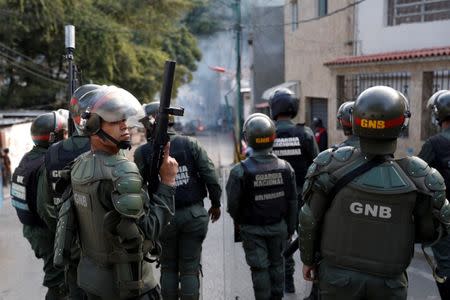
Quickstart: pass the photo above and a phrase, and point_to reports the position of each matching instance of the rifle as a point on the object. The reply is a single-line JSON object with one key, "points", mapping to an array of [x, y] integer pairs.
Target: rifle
{"points": [[160, 137], [72, 72]]}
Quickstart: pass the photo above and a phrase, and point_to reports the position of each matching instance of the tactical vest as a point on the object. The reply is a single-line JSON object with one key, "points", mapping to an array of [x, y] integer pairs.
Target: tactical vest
{"points": [[190, 188], [290, 145], [24, 189], [266, 192], [376, 235], [441, 148], [57, 158], [105, 258]]}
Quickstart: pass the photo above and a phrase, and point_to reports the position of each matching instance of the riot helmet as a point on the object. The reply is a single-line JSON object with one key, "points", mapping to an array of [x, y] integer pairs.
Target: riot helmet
{"points": [[440, 106], [379, 114], [344, 116], [317, 122], [151, 113], [110, 104], [78, 103], [283, 102], [48, 128], [259, 132]]}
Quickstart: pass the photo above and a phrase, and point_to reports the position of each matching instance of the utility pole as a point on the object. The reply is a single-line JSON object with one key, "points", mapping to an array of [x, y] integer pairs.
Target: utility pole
{"points": [[240, 105]]}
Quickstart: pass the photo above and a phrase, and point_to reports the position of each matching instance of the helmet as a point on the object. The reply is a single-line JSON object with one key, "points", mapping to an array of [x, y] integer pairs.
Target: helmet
{"points": [[430, 102], [259, 131], [317, 122], [48, 128], [110, 104], [78, 105], [344, 116], [283, 101], [379, 114], [440, 107], [151, 109]]}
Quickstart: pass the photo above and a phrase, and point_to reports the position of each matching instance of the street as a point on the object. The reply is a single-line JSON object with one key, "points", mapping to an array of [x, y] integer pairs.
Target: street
{"points": [[226, 274]]}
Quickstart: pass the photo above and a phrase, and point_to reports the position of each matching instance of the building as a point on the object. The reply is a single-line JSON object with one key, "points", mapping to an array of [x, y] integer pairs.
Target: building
{"points": [[336, 49]]}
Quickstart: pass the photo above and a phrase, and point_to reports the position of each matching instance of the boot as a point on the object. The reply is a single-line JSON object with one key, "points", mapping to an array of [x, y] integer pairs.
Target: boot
{"points": [[289, 286]]}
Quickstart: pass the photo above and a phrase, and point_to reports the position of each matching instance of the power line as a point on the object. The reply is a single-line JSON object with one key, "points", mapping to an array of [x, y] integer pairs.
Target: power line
{"points": [[27, 66], [311, 19], [34, 73]]}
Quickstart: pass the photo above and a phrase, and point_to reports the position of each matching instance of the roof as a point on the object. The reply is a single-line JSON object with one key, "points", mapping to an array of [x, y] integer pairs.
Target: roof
{"points": [[14, 121], [392, 56]]}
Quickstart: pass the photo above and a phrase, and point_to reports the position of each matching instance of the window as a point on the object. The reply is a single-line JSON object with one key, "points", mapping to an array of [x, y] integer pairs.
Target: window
{"points": [[323, 7], [294, 15], [416, 11]]}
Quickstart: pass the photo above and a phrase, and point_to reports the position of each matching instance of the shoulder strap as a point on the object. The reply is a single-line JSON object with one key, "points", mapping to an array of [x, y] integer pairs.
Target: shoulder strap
{"points": [[344, 180]]}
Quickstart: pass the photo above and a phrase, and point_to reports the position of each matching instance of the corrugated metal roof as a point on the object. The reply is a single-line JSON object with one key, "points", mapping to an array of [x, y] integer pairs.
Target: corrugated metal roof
{"points": [[391, 56]]}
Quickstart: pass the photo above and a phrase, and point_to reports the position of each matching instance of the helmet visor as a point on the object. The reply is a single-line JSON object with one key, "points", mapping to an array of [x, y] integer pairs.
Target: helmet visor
{"points": [[116, 104]]}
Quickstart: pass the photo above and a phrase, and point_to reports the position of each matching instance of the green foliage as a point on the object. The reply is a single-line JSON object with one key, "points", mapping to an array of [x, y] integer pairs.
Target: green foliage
{"points": [[203, 19], [121, 42]]}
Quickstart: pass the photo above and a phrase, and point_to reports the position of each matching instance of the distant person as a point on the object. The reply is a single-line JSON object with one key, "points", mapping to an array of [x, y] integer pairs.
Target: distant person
{"points": [[6, 168], [320, 133]]}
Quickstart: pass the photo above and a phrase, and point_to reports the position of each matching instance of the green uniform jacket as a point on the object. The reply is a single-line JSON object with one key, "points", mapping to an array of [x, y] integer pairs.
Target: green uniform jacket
{"points": [[235, 193], [203, 164]]}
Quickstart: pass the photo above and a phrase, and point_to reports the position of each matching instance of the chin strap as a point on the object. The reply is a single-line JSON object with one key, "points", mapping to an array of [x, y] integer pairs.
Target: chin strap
{"points": [[125, 145]]}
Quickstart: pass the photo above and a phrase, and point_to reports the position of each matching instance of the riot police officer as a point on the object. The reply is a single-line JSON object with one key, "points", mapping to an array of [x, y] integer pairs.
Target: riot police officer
{"points": [[344, 118], [382, 204], [262, 200], [296, 144], [46, 129], [57, 158], [118, 224], [436, 152], [182, 239]]}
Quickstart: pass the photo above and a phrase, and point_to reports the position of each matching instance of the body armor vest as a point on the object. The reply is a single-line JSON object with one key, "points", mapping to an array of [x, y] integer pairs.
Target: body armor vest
{"points": [[441, 148], [57, 158], [266, 191], [290, 145], [105, 257], [190, 188], [377, 234], [24, 189]]}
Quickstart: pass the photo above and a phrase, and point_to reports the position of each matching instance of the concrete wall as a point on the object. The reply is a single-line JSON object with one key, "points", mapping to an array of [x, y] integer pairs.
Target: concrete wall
{"points": [[268, 49], [311, 45], [374, 36]]}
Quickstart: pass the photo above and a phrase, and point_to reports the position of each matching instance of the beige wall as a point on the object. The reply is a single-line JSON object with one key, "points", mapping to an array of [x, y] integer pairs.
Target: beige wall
{"points": [[314, 43]]}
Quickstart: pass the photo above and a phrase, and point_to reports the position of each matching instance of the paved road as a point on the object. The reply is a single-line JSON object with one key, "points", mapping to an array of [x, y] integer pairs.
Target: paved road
{"points": [[226, 274]]}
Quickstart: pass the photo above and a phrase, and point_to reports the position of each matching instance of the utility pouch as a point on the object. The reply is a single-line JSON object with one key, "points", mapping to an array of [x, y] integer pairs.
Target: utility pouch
{"points": [[65, 230]]}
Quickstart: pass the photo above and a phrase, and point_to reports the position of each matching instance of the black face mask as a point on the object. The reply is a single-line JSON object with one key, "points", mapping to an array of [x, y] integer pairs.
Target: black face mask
{"points": [[125, 145]]}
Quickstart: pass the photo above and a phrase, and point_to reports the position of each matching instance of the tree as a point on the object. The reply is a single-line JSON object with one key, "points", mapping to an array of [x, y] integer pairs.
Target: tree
{"points": [[121, 42]]}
